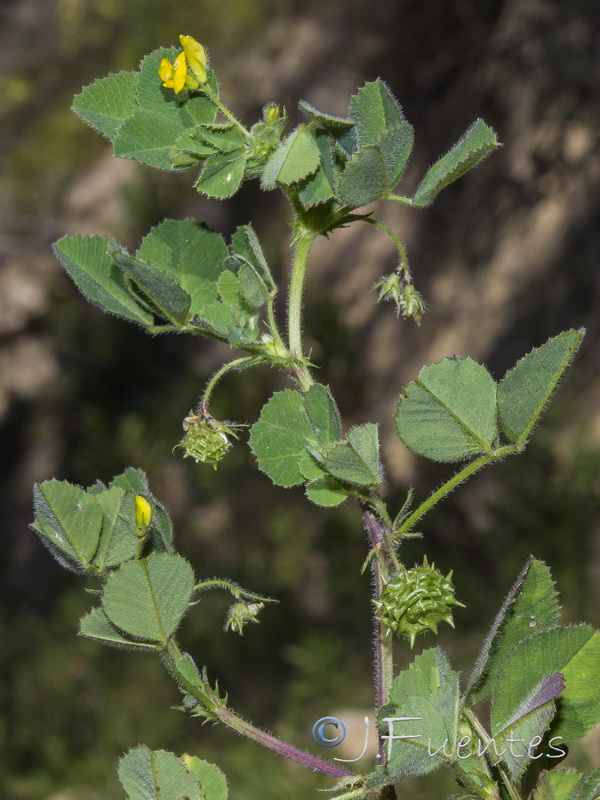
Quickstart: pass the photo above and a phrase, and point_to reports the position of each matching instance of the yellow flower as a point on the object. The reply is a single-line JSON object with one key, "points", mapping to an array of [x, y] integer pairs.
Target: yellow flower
{"points": [[143, 515], [195, 56], [188, 71]]}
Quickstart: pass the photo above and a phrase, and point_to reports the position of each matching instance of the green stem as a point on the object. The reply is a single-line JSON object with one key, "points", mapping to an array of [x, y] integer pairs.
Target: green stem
{"points": [[273, 328], [447, 487], [485, 738], [396, 239], [208, 92], [404, 200], [235, 590], [305, 243], [238, 363]]}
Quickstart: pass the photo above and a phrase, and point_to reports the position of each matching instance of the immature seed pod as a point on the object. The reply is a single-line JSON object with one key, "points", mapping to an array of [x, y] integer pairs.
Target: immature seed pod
{"points": [[206, 439], [417, 600]]}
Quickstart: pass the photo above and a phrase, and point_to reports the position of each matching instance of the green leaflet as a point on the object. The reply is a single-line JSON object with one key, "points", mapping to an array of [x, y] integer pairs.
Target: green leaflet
{"points": [[96, 275], [96, 625], [322, 414], [374, 170], [374, 109], [189, 254], [530, 608], [332, 124], [566, 784], [320, 187], [518, 738], [449, 412], [295, 158], [572, 651], [148, 598], [427, 693], [170, 300], [325, 491], [149, 138], [525, 389], [356, 460], [280, 437], [108, 102], [246, 247], [69, 522], [474, 145], [222, 175], [118, 541], [159, 775]]}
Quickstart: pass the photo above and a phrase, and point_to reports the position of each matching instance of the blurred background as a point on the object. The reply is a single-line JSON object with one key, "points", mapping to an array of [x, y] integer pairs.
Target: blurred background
{"points": [[505, 258]]}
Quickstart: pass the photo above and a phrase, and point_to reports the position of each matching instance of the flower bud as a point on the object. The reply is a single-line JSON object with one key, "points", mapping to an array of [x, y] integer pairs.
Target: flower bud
{"points": [[143, 515]]}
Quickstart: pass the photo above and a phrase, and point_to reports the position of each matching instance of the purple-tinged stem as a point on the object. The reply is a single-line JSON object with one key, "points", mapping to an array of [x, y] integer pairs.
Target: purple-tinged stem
{"points": [[382, 643], [285, 749]]}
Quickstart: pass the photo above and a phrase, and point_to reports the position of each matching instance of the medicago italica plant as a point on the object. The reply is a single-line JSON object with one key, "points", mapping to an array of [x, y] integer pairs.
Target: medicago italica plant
{"points": [[537, 675]]}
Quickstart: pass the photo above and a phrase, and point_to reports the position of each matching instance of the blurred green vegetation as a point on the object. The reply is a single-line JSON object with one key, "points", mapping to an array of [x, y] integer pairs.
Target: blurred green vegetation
{"points": [[68, 707]]}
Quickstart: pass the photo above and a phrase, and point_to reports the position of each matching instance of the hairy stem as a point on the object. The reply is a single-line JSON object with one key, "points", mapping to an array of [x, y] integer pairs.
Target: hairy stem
{"points": [[396, 239], [208, 698], [384, 657], [224, 110], [238, 363], [512, 790], [457, 479], [295, 306]]}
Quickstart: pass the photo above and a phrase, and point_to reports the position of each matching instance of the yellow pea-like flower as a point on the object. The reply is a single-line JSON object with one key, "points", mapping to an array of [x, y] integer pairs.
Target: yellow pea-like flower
{"points": [[143, 515], [188, 71]]}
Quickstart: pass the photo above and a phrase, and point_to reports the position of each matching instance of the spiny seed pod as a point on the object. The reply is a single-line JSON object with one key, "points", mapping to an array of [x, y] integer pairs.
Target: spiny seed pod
{"points": [[206, 439], [417, 600]]}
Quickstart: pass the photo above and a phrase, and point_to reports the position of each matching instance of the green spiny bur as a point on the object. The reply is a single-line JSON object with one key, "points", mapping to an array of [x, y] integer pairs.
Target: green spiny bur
{"points": [[417, 600]]}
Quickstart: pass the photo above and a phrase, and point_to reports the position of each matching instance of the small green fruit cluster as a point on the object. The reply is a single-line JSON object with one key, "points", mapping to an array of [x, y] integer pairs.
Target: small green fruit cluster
{"points": [[206, 439], [417, 600]]}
